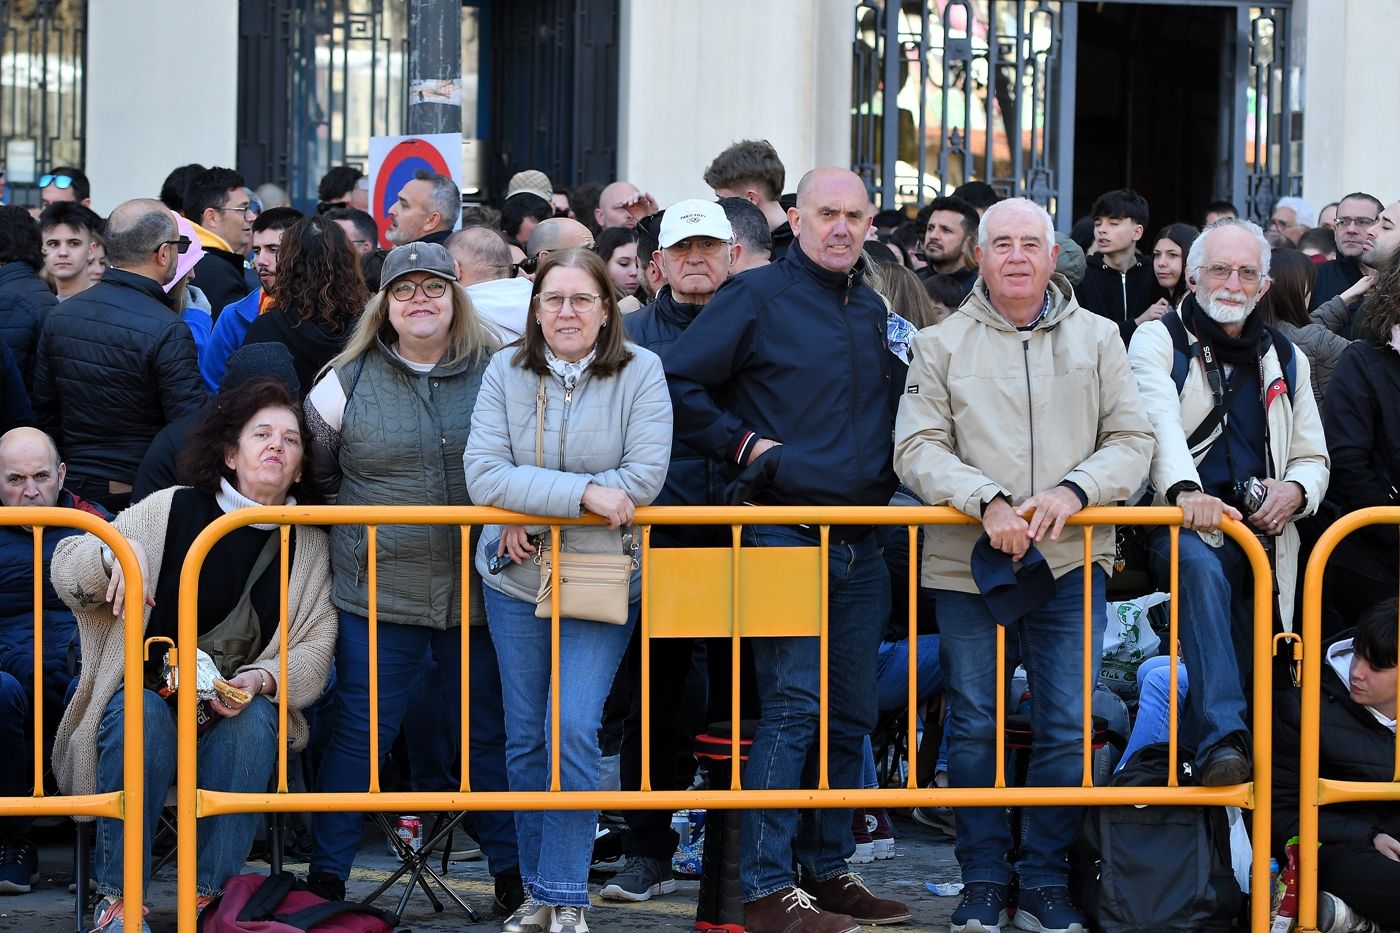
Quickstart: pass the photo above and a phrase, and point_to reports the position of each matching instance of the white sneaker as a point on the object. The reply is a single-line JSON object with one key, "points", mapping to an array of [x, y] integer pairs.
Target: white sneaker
{"points": [[569, 920], [864, 854], [1334, 915], [530, 917]]}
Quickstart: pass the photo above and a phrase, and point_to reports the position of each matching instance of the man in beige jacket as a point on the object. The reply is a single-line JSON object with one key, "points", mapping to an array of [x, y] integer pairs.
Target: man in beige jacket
{"points": [[1019, 410]]}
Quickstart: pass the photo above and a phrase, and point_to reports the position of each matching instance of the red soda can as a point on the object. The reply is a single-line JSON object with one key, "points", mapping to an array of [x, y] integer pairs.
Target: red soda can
{"points": [[410, 829]]}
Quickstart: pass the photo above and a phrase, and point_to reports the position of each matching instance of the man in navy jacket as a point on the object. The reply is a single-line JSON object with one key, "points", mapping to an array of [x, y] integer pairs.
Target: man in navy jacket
{"points": [[785, 377]]}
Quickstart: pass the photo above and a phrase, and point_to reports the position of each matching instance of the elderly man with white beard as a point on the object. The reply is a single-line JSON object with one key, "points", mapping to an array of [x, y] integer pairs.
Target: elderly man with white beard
{"points": [[1238, 434]]}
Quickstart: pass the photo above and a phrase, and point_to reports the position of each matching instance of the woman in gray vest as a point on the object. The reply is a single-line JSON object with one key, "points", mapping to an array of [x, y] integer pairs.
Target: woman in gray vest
{"points": [[389, 420], [574, 419]]}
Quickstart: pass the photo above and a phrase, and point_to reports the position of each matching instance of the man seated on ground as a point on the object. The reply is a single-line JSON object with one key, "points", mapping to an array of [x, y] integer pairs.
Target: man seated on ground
{"points": [[1359, 859], [31, 474], [1239, 435]]}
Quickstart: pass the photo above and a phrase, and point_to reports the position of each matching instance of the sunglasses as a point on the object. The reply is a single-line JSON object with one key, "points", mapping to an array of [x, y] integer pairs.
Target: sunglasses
{"points": [[182, 245], [61, 182]]}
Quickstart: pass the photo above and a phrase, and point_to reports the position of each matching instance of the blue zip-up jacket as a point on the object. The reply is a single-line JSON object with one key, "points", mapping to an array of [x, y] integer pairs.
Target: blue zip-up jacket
{"points": [[227, 336], [794, 353]]}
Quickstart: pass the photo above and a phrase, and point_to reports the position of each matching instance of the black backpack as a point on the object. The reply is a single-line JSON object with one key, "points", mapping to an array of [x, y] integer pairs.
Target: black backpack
{"points": [[1156, 869]]}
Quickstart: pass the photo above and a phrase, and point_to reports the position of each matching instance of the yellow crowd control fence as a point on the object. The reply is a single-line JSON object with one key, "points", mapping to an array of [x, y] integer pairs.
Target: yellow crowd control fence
{"points": [[733, 593], [124, 804], [1315, 791]]}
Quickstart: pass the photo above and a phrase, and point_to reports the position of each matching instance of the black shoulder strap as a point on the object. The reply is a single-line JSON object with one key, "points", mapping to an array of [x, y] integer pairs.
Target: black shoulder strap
{"points": [[1218, 412], [308, 917], [267, 898]]}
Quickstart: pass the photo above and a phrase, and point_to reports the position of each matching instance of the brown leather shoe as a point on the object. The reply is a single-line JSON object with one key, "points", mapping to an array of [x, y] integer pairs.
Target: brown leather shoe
{"points": [[793, 911], [847, 894]]}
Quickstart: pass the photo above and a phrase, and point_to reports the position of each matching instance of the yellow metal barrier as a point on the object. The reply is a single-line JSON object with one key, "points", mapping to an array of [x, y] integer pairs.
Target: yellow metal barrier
{"points": [[125, 804], [745, 592], [1314, 791]]}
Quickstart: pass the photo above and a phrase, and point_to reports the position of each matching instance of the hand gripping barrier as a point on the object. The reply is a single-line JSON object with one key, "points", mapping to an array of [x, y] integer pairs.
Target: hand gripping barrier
{"points": [[125, 804], [1314, 791], [706, 592]]}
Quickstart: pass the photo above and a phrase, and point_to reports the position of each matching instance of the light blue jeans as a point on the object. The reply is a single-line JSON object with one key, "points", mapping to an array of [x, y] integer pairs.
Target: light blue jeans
{"points": [[235, 755], [556, 846], [1153, 723]]}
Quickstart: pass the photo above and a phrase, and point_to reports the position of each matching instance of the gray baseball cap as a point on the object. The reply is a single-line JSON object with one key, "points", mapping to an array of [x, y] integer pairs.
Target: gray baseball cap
{"points": [[417, 257]]}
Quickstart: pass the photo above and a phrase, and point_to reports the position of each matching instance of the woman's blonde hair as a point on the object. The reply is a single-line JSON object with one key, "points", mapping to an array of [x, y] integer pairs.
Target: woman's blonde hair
{"points": [[467, 339]]}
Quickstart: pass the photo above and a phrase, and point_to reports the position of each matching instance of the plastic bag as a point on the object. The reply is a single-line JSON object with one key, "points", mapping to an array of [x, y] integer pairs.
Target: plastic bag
{"points": [[1128, 639]]}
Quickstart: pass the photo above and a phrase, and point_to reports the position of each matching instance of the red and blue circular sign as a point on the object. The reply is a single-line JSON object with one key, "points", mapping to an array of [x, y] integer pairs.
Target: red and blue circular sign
{"points": [[396, 171]]}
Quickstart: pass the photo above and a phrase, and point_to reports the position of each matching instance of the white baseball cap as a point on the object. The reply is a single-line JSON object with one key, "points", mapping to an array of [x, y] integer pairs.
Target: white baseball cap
{"points": [[693, 217]]}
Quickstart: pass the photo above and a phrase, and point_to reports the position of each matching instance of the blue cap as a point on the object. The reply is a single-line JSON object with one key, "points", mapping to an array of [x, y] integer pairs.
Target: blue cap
{"points": [[1012, 590]]}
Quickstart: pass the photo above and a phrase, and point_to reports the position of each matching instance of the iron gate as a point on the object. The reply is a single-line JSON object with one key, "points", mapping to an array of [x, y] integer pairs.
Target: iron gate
{"points": [[317, 79], [43, 54], [948, 91]]}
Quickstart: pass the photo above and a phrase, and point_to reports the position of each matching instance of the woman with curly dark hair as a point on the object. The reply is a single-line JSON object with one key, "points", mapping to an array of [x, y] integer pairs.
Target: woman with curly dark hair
{"points": [[320, 294], [247, 451]]}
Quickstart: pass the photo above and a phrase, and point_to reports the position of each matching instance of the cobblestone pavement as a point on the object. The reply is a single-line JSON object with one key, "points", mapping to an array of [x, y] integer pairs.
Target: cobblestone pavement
{"points": [[921, 856]]}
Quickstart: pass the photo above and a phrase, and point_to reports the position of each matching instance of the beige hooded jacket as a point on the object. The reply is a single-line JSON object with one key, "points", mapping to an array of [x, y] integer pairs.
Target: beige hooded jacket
{"points": [[989, 409]]}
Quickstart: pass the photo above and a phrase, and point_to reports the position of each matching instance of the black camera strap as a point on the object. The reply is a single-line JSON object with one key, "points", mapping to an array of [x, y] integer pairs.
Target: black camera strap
{"points": [[1222, 394]]}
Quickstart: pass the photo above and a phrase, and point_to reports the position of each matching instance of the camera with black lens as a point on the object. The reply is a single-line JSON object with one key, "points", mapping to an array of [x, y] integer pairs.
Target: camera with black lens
{"points": [[1248, 495]]}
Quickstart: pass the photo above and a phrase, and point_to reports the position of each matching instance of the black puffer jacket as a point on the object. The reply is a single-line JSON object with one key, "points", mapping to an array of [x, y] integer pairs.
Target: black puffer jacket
{"points": [[693, 478], [1361, 415], [24, 303], [1354, 747], [114, 365], [1333, 278]]}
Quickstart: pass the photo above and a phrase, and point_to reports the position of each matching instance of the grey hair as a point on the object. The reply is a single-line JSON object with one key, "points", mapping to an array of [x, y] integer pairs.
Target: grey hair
{"points": [[135, 231], [1014, 206], [445, 197], [1196, 258], [1301, 209]]}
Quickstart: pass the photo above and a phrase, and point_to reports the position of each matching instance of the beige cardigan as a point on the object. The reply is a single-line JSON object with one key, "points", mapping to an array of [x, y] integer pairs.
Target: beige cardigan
{"points": [[80, 580]]}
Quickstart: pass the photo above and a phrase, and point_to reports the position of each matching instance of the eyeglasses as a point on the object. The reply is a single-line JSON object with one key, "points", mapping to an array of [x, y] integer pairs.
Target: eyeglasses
{"points": [[528, 265], [432, 288], [60, 182], [248, 211], [709, 247], [1359, 222], [1221, 272], [581, 303], [182, 245]]}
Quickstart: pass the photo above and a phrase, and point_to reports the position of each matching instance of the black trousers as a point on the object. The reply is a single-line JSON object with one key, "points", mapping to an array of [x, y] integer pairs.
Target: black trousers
{"points": [[1360, 875]]}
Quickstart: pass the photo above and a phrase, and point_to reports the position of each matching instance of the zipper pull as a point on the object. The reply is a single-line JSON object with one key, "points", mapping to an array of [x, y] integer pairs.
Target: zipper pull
{"points": [[568, 396]]}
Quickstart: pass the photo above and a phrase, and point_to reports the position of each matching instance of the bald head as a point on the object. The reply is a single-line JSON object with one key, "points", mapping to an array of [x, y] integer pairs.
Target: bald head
{"points": [[557, 233], [137, 237], [30, 472], [481, 254], [831, 217], [613, 203]]}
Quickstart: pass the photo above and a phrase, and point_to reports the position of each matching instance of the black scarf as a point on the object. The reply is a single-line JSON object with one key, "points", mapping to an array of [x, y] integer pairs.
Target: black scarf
{"points": [[1242, 350]]}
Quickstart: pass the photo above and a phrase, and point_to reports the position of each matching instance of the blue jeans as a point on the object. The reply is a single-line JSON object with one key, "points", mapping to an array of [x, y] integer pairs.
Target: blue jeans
{"points": [[16, 696], [235, 755], [784, 751], [14, 750], [1051, 640], [556, 846], [403, 652], [1153, 723], [1207, 578], [892, 685]]}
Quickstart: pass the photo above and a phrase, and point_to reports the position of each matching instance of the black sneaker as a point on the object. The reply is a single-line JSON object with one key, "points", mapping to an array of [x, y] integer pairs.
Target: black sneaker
{"points": [[19, 865], [640, 879], [510, 892], [327, 885], [1048, 910], [982, 908]]}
